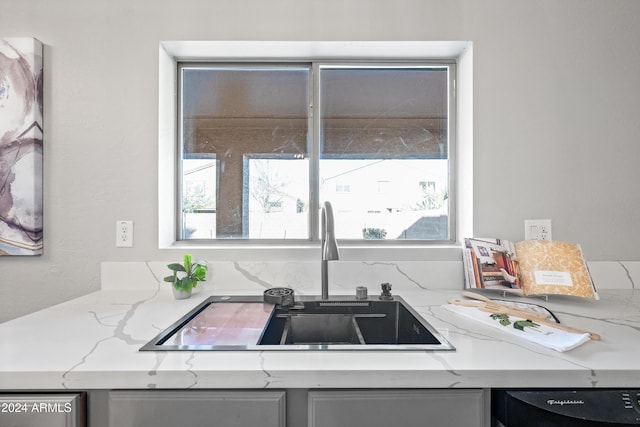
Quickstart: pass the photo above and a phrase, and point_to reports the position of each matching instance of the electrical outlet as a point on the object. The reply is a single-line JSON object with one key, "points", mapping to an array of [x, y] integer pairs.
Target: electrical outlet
{"points": [[537, 229], [124, 234]]}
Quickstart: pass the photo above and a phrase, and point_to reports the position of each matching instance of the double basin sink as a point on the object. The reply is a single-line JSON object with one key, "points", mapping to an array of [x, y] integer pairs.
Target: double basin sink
{"points": [[310, 323]]}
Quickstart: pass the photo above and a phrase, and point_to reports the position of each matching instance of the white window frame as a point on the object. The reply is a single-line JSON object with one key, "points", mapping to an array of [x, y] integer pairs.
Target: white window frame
{"points": [[171, 52]]}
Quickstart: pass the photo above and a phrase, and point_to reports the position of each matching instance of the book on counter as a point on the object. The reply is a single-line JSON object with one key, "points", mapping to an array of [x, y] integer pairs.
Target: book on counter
{"points": [[530, 267]]}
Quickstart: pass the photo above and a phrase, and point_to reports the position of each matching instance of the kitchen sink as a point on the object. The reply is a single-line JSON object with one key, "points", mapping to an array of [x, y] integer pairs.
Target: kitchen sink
{"points": [[309, 323]]}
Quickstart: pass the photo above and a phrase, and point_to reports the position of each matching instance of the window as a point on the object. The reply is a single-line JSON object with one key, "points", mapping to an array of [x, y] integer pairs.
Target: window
{"points": [[263, 144]]}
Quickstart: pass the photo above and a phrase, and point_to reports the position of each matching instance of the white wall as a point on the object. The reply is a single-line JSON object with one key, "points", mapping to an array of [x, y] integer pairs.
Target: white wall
{"points": [[556, 95]]}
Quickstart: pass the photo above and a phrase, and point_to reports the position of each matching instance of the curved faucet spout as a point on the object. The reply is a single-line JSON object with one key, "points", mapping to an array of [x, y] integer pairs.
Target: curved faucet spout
{"points": [[329, 246]]}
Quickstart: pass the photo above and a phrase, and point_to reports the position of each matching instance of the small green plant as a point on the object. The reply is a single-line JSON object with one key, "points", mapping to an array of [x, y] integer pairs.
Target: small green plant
{"points": [[193, 273]]}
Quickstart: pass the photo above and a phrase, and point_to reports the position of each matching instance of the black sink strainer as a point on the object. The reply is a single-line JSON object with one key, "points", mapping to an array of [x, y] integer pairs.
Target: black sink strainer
{"points": [[281, 296]]}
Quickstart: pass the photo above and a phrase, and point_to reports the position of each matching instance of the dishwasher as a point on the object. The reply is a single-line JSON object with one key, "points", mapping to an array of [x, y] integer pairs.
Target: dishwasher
{"points": [[565, 407]]}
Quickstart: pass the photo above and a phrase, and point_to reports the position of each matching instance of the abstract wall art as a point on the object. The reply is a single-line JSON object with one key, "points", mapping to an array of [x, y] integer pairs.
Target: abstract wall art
{"points": [[21, 146]]}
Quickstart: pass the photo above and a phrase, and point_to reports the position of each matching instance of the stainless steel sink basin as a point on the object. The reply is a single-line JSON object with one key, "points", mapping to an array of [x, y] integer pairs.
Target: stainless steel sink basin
{"points": [[317, 328], [342, 323]]}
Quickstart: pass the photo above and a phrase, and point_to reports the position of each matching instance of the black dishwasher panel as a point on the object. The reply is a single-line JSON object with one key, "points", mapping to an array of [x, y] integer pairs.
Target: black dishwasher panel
{"points": [[565, 407]]}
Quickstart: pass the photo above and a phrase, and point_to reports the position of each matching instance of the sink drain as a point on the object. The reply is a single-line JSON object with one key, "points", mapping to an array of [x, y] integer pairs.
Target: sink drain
{"points": [[281, 296]]}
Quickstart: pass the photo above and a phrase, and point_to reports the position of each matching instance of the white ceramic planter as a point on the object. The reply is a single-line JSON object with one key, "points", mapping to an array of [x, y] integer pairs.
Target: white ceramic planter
{"points": [[180, 294]]}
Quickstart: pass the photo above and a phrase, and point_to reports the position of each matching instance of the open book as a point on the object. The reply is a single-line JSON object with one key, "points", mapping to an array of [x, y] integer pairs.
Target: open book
{"points": [[531, 267]]}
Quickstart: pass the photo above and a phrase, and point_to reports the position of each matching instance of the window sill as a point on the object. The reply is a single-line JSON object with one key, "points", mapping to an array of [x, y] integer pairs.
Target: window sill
{"points": [[311, 252]]}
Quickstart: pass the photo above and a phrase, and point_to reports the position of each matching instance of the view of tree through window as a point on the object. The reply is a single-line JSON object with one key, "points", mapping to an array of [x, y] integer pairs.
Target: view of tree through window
{"points": [[253, 153]]}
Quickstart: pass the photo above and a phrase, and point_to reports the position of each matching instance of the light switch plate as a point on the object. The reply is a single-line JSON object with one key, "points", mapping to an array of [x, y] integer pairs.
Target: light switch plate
{"points": [[537, 229]]}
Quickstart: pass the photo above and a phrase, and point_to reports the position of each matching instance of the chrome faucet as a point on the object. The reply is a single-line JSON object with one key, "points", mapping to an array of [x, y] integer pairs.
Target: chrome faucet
{"points": [[329, 246]]}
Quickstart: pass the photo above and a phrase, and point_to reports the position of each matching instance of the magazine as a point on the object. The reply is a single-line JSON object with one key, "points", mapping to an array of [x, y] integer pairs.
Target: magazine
{"points": [[530, 267]]}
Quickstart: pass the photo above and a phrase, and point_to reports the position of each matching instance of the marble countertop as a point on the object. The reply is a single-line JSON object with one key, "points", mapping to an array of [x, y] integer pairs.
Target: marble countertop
{"points": [[93, 342]]}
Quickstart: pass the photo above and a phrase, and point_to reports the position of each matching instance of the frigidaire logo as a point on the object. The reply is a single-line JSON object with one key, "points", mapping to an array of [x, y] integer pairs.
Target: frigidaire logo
{"points": [[564, 402]]}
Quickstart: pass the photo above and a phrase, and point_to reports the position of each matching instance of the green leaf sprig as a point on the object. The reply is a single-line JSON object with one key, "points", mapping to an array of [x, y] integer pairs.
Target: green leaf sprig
{"points": [[502, 318], [518, 324]]}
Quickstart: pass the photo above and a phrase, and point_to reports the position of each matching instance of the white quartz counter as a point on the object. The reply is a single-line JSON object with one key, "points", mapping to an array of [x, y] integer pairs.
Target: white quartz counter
{"points": [[92, 342]]}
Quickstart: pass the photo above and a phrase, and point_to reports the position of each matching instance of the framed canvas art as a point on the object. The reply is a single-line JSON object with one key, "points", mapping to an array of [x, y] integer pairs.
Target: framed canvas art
{"points": [[20, 146]]}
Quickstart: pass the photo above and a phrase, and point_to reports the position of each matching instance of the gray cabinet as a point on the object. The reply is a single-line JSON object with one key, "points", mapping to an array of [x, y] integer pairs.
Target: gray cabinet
{"points": [[406, 408], [43, 410], [187, 408]]}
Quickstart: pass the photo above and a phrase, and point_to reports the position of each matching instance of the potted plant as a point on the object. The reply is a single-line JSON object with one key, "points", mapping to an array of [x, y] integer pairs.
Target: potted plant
{"points": [[186, 276]]}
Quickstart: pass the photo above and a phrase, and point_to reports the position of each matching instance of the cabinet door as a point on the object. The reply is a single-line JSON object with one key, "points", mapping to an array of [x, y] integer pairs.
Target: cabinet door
{"points": [[406, 408], [43, 410], [159, 408]]}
